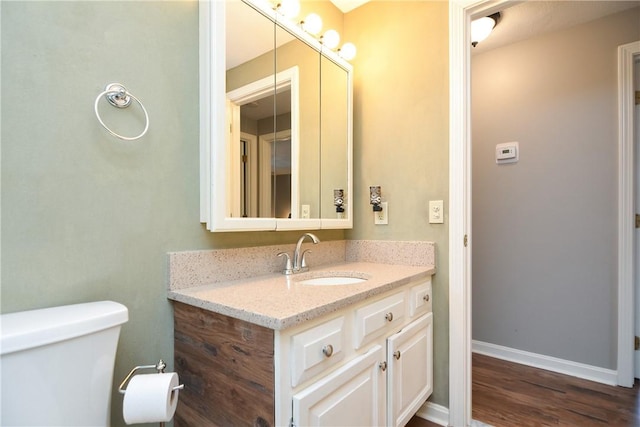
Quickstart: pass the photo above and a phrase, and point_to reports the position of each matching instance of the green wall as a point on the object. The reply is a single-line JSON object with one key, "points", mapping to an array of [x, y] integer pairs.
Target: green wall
{"points": [[88, 217], [401, 136]]}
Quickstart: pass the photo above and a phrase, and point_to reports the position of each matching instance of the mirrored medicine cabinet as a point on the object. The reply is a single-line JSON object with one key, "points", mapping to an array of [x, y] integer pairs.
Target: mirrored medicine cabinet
{"points": [[275, 123]]}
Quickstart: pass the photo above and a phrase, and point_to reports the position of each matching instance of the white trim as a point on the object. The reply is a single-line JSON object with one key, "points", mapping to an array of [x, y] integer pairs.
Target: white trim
{"points": [[554, 364], [460, 14], [207, 25], [435, 413], [626, 209], [439, 414], [233, 159], [251, 185], [459, 265]]}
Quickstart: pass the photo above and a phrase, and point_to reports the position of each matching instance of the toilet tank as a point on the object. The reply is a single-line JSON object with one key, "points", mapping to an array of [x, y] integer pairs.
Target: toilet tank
{"points": [[56, 364]]}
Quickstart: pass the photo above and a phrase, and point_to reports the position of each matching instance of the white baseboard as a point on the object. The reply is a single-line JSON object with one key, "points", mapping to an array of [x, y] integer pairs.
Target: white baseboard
{"points": [[440, 415], [580, 370], [435, 413]]}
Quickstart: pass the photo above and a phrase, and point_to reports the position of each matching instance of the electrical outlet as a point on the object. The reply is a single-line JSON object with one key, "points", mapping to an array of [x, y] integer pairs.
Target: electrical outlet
{"points": [[305, 212], [436, 212], [382, 217]]}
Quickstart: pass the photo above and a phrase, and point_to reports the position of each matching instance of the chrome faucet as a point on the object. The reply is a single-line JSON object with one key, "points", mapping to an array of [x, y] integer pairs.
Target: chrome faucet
{"points": [[299, 262]]}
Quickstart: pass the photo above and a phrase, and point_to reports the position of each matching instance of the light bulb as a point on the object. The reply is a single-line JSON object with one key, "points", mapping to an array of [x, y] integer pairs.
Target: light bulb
{"points": [[331, 39], [312, 24], [481, 28], [289, 8], [347, 51]]}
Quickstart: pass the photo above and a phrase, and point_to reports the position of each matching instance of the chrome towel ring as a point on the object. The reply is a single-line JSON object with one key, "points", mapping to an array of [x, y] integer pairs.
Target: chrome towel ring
{"points": [[119, 97]]}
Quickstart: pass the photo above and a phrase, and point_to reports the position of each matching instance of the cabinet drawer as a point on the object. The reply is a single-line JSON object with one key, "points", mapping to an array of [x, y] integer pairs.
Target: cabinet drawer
{"points": [[374, 319], [421, 297], [315, 349]]}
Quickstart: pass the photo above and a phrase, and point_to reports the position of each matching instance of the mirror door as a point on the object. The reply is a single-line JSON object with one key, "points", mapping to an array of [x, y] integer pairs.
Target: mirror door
{"points": [[251, 115], [264, 162], [305, 120]]}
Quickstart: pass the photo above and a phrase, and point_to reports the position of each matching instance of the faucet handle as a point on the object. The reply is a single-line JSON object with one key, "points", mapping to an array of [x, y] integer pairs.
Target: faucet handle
{"points": [[303, 262], [288, 269]]}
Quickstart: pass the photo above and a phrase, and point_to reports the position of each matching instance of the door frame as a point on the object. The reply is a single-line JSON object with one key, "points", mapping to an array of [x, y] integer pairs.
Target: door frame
{"points": [[626, 213], [461, 12]]}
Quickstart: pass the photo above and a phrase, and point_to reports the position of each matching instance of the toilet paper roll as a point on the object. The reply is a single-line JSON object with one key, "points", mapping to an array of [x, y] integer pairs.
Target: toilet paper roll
{"points": [[150, 398]]}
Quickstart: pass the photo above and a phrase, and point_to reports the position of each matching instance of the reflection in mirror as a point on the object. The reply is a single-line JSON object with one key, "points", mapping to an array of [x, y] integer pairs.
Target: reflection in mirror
{"points": [[334, 148], [276, 184], [292, 52], [263, 159], [261, 150], [263, 181], [262, 139], [250, 106]]}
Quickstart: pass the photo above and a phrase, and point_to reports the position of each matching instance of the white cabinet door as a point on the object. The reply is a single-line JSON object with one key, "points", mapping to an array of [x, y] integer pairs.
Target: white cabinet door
{"points": [[353, 395], [410, 373]]}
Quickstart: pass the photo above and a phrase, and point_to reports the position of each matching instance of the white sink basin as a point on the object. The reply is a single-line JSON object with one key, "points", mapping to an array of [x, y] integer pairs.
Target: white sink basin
{"points": [[332, 281]]}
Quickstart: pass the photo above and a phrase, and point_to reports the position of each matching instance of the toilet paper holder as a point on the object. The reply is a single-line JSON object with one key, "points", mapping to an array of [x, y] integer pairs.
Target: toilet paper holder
{"points": [[160, 367]]}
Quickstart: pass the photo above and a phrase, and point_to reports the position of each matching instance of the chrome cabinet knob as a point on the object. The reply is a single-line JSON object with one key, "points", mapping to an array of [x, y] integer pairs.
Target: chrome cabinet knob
{"points": [[383, 366], [426, 298], [389, 316], [327, 350], [397, 354]]}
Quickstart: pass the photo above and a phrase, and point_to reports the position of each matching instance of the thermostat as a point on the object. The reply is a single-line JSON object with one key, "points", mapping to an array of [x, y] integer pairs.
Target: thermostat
{"points": [[507, 152]]}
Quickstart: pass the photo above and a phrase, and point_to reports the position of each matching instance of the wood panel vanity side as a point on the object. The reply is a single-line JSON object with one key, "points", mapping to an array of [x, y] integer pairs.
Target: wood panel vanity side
{"points": [[227, 368]]}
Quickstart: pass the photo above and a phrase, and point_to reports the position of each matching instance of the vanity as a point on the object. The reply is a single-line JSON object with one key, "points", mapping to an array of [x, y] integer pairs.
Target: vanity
{"points": [[347, 343], [273, 351]]}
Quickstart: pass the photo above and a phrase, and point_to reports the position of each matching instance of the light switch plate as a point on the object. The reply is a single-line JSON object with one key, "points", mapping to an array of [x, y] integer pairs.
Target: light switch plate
{"points": [[436, 212], [305, 212]]}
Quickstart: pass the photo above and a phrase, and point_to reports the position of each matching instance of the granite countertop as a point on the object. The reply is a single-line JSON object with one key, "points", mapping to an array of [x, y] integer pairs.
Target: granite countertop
{"points": [[279, 302]]}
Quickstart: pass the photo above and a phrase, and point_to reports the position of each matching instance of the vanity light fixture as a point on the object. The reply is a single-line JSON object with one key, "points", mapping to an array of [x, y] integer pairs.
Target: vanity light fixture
{"points": [[312, 24], [481, 28], [330, 39], [288, 8], [347, 51], [375, 197]]}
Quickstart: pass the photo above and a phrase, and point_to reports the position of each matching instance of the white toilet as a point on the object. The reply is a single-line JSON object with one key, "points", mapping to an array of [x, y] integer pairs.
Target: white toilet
{"points": [[56, 364]]}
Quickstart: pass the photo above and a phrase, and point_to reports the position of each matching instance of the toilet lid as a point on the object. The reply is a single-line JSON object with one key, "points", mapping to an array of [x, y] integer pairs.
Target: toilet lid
{"points": [[34, 328]]}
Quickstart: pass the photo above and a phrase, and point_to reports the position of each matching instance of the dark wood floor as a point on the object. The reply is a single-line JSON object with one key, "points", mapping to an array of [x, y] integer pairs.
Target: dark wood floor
{"points": [[509, 394], [419, 422]]}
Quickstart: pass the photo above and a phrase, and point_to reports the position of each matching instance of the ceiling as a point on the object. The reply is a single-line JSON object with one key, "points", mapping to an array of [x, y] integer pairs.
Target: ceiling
{"points": [[348, 5], [526, 19], [533, 18]]}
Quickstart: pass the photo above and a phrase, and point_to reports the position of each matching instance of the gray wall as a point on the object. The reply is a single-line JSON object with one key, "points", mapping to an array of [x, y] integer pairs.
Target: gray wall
{"points": [[545, 229], [86, 216]]}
